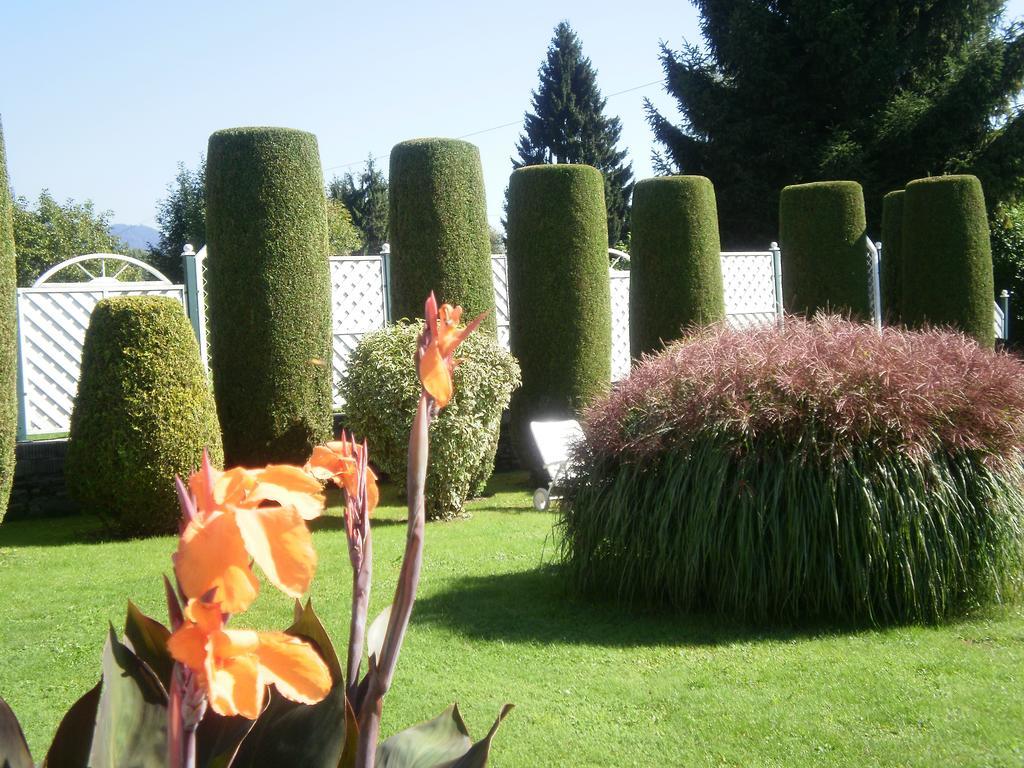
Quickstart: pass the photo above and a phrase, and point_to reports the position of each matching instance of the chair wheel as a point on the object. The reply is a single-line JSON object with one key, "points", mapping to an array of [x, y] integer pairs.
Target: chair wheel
{"points": [[541, 499]]}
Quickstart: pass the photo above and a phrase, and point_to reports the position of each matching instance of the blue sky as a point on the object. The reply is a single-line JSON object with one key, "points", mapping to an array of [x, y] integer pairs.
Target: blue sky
{"points": [[101, 100]]}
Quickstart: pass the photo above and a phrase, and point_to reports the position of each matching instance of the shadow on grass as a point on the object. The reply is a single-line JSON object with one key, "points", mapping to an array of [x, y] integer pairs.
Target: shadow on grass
{"points": [[57, 532], [536, 606]]}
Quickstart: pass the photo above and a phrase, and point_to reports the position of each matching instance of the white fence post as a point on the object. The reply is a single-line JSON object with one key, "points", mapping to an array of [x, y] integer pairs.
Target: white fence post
{"points": [[195, 296], [874, 293], [777, 272]]}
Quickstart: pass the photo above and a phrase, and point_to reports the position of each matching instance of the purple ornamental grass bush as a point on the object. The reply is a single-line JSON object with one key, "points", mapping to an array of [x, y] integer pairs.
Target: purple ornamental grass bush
{"points": [[823, 470]]}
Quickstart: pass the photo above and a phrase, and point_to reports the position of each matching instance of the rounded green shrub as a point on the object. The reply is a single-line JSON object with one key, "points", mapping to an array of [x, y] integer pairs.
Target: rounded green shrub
{"points": [[381, 390], [675, 276], [786, 475], [559, 295], [947, 256], [440, 240], [144, 413], [891, 277], [8, 337], [269, 294], [822, 234]]}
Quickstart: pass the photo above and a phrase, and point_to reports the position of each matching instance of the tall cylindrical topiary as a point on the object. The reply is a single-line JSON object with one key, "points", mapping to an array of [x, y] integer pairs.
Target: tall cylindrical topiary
{"points": [[947, 257], [675, 277], [559, 295], [269, 290], [8, 336], [892, 256], [440, 240], [822, 233], [143, 413]]}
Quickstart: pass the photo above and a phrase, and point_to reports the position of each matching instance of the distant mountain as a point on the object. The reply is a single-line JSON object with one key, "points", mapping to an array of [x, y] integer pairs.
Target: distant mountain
{"points": [[136, 235]]}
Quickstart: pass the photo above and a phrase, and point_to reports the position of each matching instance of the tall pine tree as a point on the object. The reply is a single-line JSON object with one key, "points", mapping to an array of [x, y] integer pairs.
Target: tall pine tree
{"points": [[878, 92], [568, 125], [366, 197]]}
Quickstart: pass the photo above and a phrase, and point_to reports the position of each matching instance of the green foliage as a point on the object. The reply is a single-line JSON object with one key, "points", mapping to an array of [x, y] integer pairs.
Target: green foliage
{"points": [[1006, 229], [440, 240], [675, 266], [568, 125], [822, 234], [891, 277], [786, 475], [8, 336], [366, 197], [180, 218], [877, 92], [381, 389], [947, 256], [559, 296], [343, 238], [143, 414], [268, 285], [51, 233]]}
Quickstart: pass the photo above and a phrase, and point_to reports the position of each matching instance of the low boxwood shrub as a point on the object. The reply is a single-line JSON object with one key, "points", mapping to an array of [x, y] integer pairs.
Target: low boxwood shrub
{"points": [[891, 277], [8, 337], [947, 256], [381, 389], [440, 240], [269, 291], [144, 412], [559, 295], [675, 263], [822, 233], [822, 470]]}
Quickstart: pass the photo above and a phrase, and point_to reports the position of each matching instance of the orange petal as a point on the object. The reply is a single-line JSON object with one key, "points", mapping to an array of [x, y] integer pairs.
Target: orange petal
{"points": [[188, 645], [294, 667], [435, 376], [290, 487], [280, 543], [235, 687], [211, 555]]}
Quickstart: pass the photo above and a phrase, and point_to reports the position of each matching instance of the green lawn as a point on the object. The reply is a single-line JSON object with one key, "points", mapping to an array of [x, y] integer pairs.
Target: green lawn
{"points": [[593, 685]]}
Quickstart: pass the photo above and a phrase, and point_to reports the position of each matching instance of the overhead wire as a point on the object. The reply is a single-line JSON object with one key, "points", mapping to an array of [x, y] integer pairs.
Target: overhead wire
{"points": [[493, 128]]}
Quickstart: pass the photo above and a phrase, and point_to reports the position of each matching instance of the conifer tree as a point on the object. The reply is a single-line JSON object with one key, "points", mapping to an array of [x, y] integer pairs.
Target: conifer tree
{"points": [[366, 197], [880, 93], [568, 125]]}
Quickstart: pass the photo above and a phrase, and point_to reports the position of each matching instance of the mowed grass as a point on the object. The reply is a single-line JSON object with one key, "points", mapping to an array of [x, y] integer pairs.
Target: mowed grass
{"points": [[593, 685]]}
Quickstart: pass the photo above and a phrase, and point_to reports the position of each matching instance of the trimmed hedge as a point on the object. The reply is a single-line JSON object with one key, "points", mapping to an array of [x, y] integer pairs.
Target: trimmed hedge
{"points": [[785, 475], [891, 277], [440, 240], [947, 256], [269, 290], [822, 233], [144, 413], [381, 390], [675, 274], [8, 337], [559, 295]]}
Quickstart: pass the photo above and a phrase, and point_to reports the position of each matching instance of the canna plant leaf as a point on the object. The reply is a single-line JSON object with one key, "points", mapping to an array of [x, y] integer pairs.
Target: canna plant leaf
{"points": [[348, 754], [377, 633], [13, 747], [219, 738], [443, 742], [131, 719], [148, 639], [71, 743]]}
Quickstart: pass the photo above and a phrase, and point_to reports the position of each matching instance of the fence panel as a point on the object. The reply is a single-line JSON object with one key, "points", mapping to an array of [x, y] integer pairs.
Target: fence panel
{"points": [[52, 320]]}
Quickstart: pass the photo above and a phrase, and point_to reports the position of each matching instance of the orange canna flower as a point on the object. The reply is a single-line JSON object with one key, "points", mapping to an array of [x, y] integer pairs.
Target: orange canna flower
{"points": [[236, 665], [442, 336], [338, 461], [245, 515]]}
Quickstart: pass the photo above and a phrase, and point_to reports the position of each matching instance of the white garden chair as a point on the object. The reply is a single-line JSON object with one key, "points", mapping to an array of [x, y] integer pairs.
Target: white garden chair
{"points": [[554, 441]]}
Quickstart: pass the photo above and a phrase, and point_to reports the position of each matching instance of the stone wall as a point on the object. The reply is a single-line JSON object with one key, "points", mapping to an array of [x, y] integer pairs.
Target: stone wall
{"points": [[39, 489]]}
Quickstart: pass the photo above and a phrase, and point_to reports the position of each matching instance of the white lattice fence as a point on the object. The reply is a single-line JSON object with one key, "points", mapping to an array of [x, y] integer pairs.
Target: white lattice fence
{"points": [[619, 281], [52, 320], [749, 283], [358, 306], [499, 274]]}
